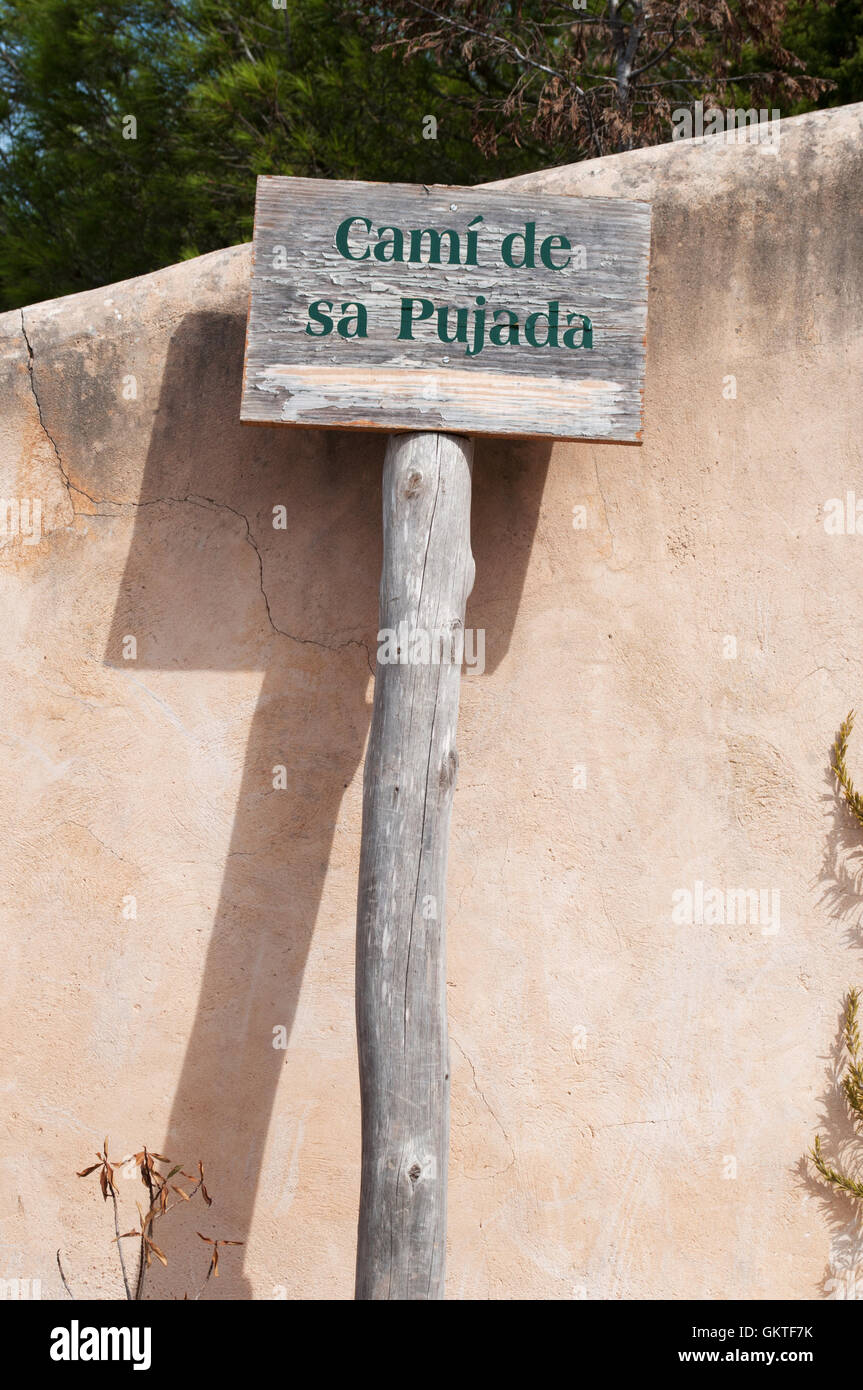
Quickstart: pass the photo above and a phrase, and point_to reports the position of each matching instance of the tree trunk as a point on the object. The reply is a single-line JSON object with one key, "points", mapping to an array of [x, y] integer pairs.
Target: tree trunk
{"points": [[408, 787]]}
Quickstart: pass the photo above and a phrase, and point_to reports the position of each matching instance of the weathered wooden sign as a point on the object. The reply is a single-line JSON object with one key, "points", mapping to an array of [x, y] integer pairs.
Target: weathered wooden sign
{"points": [[442, 312], [407, 307]]}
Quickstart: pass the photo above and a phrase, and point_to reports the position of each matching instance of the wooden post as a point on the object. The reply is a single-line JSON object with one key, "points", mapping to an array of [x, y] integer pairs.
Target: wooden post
{"points": [[408, 786], [464, 311]]}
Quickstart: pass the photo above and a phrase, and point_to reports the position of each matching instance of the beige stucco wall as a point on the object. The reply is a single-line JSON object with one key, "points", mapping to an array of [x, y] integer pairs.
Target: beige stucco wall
{"points": [[608, 1063]]}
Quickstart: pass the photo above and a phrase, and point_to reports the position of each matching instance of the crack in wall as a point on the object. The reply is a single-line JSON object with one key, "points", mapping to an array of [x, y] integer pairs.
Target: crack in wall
{"points": [[93, 835], [192, 500], [498, 1171], [31, 362], [605, 508]]}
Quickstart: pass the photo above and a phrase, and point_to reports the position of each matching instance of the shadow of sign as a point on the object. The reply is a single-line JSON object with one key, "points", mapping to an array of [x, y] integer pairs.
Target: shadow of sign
{"points": [[308, 623]]}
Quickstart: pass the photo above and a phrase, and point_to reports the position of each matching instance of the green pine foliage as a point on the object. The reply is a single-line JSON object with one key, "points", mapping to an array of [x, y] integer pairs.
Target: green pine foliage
{"points": [[828, 36], [302, 92], [223, 90], [220, 92], [79, 204]]}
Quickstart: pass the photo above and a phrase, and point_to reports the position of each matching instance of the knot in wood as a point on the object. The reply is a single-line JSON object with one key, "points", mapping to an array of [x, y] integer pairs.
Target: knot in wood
{"points": [[415, 1172], [413, 483], [449, 769]]}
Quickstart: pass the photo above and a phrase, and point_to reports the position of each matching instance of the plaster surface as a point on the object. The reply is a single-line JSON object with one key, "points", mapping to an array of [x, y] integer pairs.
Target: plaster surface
{"points": [[632, 1094]]}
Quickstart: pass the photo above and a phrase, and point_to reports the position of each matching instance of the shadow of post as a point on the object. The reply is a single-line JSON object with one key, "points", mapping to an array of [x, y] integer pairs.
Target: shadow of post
{"points": [[311, 630]]}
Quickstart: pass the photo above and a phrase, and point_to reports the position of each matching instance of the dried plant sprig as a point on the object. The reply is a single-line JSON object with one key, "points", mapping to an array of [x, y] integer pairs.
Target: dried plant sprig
{"points": [[106, 1182], [106, 1172], [852, 1086], [853, 799], [852, 1081], [63, 1276], [204, 1193], [852, 1029], [149, 1246], [158, 1186], [833, 1175], [214, 1258]]}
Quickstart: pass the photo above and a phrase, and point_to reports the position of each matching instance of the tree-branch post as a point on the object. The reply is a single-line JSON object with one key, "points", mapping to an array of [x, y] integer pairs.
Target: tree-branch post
{"points": [[410, 775]]}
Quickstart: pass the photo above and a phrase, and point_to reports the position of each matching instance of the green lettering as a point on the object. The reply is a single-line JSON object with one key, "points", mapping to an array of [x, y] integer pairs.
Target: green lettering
{"points": [[397, 244], [510, 328], [585, 330], [470, 254], [551, 318], [342, 238], [547, 247], [407, 315], [507, 250], [359, 318], [460, 335], [317, 316], [435, 239]]}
